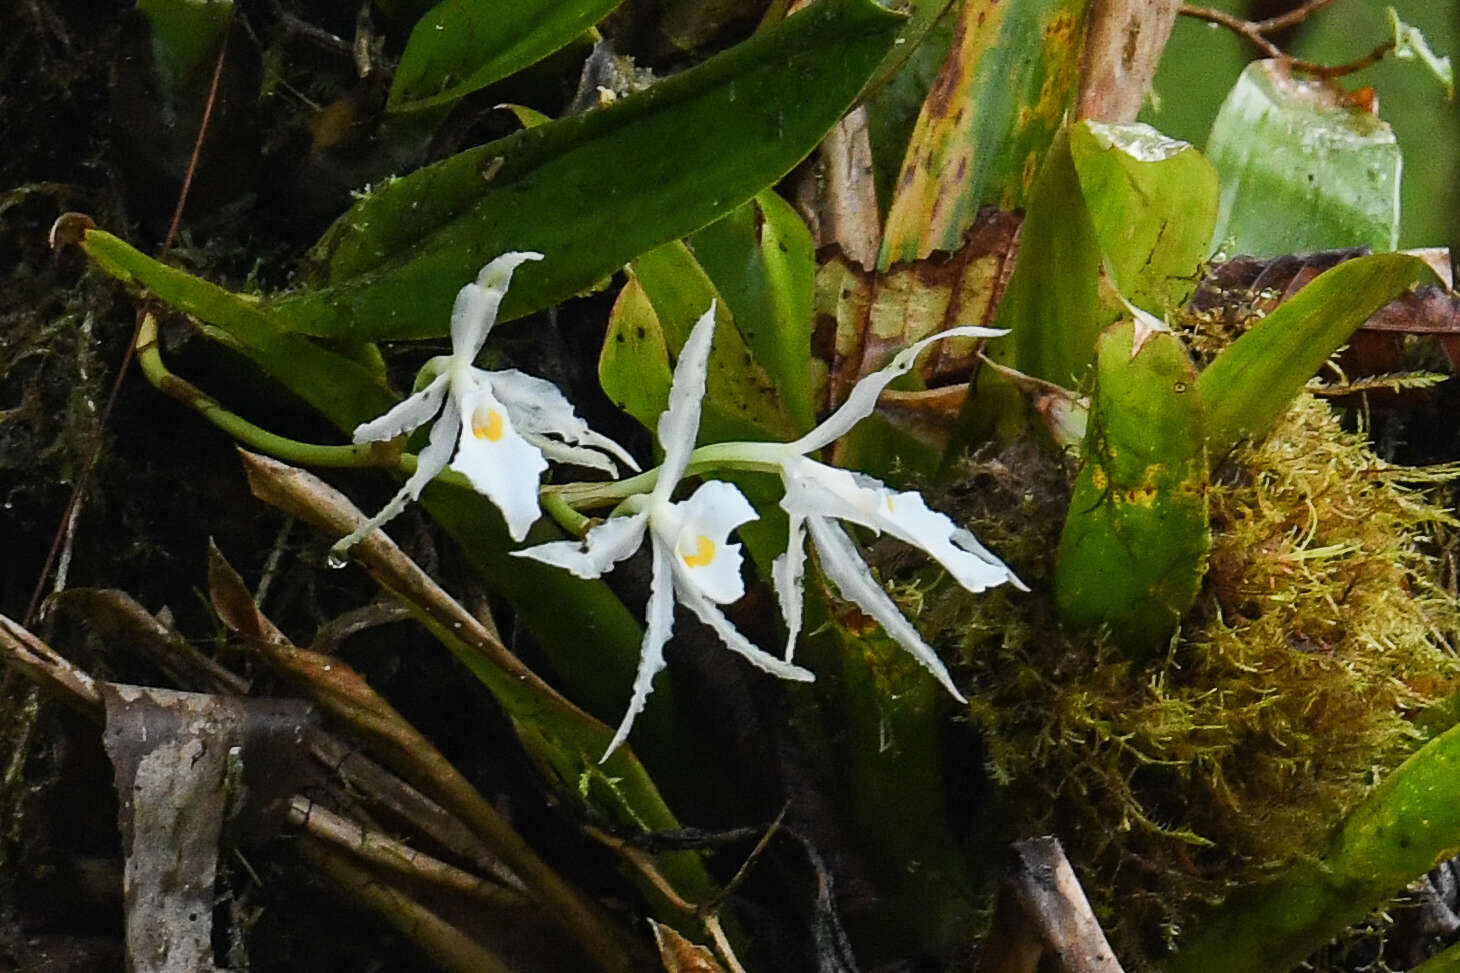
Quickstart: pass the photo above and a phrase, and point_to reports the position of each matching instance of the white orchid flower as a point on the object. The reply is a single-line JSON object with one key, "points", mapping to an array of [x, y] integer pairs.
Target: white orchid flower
{"points": [[496, 424], [693, 559], [817, 495]]}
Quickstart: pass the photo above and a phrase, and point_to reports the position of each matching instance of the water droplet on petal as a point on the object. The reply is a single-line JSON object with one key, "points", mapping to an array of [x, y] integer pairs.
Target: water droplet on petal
{"points": [[336, 560]]}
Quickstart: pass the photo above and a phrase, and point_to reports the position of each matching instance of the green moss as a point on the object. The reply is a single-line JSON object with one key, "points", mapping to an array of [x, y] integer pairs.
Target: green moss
{"points": [[1320, 631]]}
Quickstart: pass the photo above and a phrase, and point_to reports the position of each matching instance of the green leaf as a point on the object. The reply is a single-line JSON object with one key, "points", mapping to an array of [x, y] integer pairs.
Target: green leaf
{"points": [[592, 191], [1135, 541], [1410, 44], [185, 33], [741, 399], [763, 262], [633, 366], [1300, 170], [1252, 381], [1118, 196], [1153, 201], [1408, 825], [987, 123], [461, 46]]}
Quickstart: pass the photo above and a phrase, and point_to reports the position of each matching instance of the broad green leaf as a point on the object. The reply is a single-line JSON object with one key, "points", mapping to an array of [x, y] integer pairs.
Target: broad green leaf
{"points": [[1408, 825], [1301, 170], [633, 366], [1153, 201], [763, 262], [1135, 541], [1252, 381], [461, 46], [340, 388], [987, 123], [592, 191], [741, 399], [1118, 196]]}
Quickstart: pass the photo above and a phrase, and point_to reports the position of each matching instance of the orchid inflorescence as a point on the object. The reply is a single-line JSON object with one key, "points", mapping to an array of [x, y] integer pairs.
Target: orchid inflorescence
{"points": [[497, 426]]}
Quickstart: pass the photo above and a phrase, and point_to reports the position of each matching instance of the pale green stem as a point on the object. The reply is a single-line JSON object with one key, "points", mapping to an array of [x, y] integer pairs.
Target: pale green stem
{"points": [[290, 450], [739, 456]]}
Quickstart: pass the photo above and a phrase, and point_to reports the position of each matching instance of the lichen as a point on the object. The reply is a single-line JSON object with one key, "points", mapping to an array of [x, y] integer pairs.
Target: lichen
{"points": [[1321, 630]]}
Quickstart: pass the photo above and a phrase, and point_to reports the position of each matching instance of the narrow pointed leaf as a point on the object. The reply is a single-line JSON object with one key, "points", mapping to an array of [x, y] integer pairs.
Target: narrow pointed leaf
{"points": [[763, 262], [1300, 169], [1407, 826], [461, 46], [1135, 541], [1253, 380], [592, 191]]}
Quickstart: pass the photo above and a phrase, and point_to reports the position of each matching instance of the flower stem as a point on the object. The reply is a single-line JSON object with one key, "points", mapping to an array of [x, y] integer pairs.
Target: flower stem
{"points": [[742, 456], [149, 357]]}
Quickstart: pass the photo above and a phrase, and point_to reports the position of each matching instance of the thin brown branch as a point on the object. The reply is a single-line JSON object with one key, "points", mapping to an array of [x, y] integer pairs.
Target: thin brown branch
{"points": [[1292, 18], [1255, 31]]}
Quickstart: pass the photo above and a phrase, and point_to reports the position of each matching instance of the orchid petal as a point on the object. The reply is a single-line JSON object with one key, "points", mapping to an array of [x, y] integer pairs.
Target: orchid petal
{"points": [[494, 456], [698, 532], [788, 573], [815, 489], [410, 413], [853, 578], [861, 402], [603, 547], [429, 464], [907, 517], [538, 408], [475, 310], [574, 455], [691, 598], [680, 422], [658, 625]]}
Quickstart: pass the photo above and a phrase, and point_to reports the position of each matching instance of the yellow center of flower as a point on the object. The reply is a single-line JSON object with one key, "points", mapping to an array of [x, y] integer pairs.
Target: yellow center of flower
{"points": [[489, 428], [704, 553]]}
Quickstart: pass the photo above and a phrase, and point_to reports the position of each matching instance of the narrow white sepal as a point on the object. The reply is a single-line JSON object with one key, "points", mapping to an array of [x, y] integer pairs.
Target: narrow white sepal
{"points": [[861, 402], [788, 574], [406, 415], [658, 625], [603, 547], [680, 422], [476, 306], [708, 613], [853, 578]]}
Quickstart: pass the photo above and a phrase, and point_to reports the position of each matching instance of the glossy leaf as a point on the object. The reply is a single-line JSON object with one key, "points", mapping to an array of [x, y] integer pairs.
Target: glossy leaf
{"points": [[1118, 196], [461, 46], [741, 399], [592, 191], [1135, 541], [633, 366], [1408, 825], [1252, 381], [1153, 201], [1301, 170], [1010, 77], [763, 262]]}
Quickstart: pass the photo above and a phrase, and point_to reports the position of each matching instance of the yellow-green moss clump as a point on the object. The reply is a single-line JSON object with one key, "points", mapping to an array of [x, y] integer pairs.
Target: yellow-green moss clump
{"points": [[1321, 630]]}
